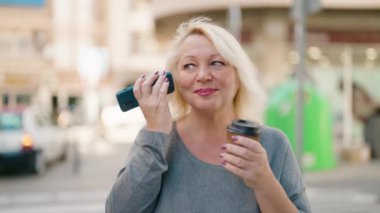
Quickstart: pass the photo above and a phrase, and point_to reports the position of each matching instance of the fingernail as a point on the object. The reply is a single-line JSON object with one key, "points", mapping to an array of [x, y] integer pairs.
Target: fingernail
{"points": [[163, 73], [156, 73], [143, 76], [224, 147], [234, 138], [224, 162], [221, 155], [166, 79]]}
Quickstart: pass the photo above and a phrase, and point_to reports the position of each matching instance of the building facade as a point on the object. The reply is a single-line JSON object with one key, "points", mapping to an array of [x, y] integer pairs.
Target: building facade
{"points": [[66, 54], [24, 34], [60, 53]]}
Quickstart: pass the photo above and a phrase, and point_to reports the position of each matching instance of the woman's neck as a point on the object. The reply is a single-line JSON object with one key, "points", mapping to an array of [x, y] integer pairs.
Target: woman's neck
{"points": [[205, 133], [207, 126]]}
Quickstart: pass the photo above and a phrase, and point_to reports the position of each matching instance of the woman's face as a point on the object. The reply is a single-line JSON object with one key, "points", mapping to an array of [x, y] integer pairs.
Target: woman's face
{"points": [[205, 79]]}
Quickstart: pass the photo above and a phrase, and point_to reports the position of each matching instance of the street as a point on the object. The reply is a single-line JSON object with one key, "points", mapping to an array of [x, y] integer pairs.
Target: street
{"points": [[62, 189], [349, 188]]}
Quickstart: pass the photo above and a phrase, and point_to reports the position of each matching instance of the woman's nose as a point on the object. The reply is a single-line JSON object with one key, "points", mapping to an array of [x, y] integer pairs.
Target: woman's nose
{"points": [[204, 74]]}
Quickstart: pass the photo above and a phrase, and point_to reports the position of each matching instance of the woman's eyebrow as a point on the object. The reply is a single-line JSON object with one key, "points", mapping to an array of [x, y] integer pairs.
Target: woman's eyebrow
{"points": [[187, 57]]}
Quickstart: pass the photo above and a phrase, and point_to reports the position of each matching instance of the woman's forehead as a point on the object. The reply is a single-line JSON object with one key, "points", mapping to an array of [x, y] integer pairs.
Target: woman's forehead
{"points": [[196, 45], [196, 39]]}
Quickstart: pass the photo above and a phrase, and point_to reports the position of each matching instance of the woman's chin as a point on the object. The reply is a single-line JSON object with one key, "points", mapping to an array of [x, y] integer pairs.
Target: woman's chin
{"points": [[209, 108]]}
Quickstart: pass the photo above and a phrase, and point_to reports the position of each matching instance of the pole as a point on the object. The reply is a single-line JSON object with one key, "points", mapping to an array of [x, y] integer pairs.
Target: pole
{"points": [[299, 32], [347, 97], [234, 20]]}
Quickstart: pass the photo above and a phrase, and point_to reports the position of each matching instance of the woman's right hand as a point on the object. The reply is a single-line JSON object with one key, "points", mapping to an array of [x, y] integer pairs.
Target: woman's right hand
{"points": [[153, 101]]}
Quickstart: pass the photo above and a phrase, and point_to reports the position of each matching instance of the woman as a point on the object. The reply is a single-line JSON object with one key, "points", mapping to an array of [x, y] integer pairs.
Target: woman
{"points": [[191, 165]]}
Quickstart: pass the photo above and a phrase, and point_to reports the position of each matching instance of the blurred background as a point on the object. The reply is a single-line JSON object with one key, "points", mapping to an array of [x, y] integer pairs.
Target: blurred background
{"points": [[63, 138]]}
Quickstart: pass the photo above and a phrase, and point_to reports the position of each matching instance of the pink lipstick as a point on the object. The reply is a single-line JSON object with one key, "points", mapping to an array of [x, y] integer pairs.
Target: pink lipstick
{"points": [[205, 91]]}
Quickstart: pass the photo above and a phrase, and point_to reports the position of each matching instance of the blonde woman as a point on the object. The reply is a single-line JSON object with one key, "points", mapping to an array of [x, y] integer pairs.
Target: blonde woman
{"points": [[183, 160]]}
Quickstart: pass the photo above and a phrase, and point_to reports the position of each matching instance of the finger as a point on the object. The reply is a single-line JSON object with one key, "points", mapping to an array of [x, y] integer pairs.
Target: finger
{"points": [[235, 170], [137, 86], [248, 143], [157, 86], [235, 160], [146, 88], [163, 91], [239, 151]]}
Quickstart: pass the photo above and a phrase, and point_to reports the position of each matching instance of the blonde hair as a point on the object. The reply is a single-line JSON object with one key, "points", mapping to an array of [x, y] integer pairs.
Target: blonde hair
{"points": [[250, 98]]}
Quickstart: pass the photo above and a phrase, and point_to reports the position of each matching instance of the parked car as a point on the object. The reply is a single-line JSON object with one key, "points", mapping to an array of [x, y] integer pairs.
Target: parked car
{"points": [[29, 140]]}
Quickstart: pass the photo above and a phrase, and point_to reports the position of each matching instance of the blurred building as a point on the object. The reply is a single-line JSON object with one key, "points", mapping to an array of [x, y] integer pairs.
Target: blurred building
{"points": [[24, 35], [60, 53]]}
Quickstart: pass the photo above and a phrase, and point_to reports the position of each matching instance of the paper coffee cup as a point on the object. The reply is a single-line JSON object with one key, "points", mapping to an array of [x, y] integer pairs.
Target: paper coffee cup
{"points": [[244, 128]]}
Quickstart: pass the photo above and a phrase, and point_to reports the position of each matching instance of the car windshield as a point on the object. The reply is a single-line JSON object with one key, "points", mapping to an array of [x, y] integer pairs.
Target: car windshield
{"points": [[10, 121]]}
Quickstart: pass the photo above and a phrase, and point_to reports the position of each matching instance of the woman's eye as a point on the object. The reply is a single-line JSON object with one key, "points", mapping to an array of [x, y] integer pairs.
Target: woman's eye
{"points": [[188, 66], [217, 63]]}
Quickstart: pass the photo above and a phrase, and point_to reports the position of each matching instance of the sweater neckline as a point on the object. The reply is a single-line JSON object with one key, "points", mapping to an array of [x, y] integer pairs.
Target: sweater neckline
{"points": [[190, 155]]}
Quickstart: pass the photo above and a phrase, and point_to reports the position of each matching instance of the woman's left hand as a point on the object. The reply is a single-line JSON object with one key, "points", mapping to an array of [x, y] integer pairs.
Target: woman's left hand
{"points": [[247, 159]]}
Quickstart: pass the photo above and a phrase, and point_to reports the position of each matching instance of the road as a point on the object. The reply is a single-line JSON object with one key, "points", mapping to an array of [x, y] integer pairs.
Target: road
{"points": [[349, 188], [61, 190]]}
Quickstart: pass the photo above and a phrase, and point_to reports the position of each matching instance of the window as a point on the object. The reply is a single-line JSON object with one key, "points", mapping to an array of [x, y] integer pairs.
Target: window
{"points": [[5, 100], [10, 121], [23, 99]]}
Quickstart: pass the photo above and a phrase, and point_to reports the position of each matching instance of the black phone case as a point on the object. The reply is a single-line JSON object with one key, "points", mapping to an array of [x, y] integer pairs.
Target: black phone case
{"points": [[127, 100]]}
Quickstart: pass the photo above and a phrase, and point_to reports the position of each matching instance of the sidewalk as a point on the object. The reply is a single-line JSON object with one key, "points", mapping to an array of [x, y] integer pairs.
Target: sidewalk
{"points": [[348, 188]]}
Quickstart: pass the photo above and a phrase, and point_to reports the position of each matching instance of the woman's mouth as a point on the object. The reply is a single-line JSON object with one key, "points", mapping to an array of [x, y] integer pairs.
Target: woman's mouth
{"points": [[205, 91]]}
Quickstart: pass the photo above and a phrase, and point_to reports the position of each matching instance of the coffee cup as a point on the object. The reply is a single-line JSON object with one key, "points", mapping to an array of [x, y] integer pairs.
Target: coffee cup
{"points": [[244, 128]]}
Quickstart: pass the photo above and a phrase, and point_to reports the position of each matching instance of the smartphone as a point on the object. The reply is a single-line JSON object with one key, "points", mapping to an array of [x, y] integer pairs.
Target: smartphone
{"points": [[127, 100]]}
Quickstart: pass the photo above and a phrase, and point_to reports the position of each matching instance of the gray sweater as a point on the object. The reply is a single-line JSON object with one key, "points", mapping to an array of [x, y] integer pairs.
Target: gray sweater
{"points": [[161, 175]]}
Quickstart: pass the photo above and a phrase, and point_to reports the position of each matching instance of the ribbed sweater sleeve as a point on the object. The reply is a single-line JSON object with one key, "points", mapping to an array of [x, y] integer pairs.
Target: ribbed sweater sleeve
{"points": [[139, 182], [291, 179]]}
